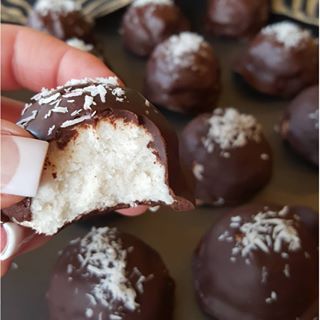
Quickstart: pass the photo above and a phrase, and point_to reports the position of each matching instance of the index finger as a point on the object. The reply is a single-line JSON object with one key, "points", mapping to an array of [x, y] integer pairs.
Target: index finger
{"points": [[32, 60]]}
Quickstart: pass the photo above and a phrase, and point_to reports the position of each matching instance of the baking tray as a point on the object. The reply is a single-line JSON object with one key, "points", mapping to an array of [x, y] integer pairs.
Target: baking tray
{"points": [[173, 234]]}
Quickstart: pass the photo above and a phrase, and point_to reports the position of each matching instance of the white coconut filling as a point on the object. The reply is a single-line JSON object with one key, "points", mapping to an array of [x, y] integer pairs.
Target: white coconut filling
{"points": [[104, 166]]}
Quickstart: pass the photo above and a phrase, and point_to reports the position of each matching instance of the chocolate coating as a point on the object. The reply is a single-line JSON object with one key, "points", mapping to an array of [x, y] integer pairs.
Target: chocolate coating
{"points": [[145, 26], [224, 177], [231, 283], [62, 24], [71, 294], [183, 75], [300, 124], [46, 119], [280, 61], [236, 18]]}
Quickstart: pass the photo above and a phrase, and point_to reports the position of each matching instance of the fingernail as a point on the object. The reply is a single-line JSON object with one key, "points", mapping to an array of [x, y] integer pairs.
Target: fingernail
{"points": [[22, 160], [11, 239]]}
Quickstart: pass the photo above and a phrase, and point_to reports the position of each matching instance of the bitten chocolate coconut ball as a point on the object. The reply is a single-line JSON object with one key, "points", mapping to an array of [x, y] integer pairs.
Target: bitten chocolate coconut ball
{"points": [[183, 74], [300, 125], [62, 19], [281, 60], [258, 263], [229, 156], [108, 275], [236, 18], [109, 148], [149, 22]]}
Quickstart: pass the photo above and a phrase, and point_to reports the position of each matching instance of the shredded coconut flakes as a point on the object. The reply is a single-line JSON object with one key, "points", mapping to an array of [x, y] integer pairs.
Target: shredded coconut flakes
{"points": [[180, 49], [103, 256], [287, 33], [230, 129]]}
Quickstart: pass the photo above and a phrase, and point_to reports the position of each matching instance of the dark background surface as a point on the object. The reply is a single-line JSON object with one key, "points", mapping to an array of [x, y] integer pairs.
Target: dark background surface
{"points": [[174, 235]]}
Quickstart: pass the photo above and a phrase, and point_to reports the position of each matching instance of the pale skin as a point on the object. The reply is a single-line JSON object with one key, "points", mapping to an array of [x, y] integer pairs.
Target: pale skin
{"points": [[33, 60]]}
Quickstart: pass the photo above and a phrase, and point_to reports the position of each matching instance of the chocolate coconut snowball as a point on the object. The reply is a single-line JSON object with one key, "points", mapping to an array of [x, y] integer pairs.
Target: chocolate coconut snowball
{"points": [[109, 148], [109, 275], [229, 156], [281, 60], [236, 18], [146, 23], [62, 19], [300, 124], [260, 263], [183, 74]]}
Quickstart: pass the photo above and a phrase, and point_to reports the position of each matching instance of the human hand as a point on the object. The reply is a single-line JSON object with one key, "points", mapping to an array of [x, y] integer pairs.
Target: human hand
{"points": [[32, 60]]}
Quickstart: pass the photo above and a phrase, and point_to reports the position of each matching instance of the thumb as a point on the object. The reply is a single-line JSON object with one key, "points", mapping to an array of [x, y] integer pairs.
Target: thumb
{"points": [[22, 159]]}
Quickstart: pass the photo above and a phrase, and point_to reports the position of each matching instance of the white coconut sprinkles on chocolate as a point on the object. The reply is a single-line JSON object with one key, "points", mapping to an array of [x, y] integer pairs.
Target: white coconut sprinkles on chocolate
{"points": [[105, 153]]}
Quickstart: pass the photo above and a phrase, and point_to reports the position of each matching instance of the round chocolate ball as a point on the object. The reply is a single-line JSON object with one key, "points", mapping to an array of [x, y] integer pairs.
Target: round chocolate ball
{"points": [[109, 149], [62, 19], [281, 60], [149, 22], [259, 263], [183, 74], [109, 275], [300, 124], [236, 18], [228, 155]]}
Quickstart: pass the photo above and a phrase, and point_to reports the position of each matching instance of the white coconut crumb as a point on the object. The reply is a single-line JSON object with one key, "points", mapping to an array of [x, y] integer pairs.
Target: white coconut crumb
{"points": [[286, 270], [79, 44], [26, 107], [267, 232], [89, 313], [70, 279], [233, 259], [147, 103], [104, 257], [272, 298], [91, 299], [76, 112], [223, 236], [118, 92], [69, 268], [50, 130], [59, 6], [264, 274], [14, 266], [154, 209], [180, 49], [284, 255], [198, 170], [219, 202], [88, 102], [25, 121], [287, 33], [230, 129], [69, 123], [225, 154], [315, 116], [107, 81], [115, 317], [264, 156], [142, 3]]}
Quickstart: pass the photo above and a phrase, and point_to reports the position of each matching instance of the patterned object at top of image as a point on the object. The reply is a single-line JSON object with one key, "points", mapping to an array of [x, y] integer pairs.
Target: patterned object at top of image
{"points": [[16, 11]]}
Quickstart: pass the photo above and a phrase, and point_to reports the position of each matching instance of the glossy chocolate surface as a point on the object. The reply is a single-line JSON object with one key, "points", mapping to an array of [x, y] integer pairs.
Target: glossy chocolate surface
{"points": [[71, 295], [265, 283], [300, 124], [236, 18], [144, 27]]}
